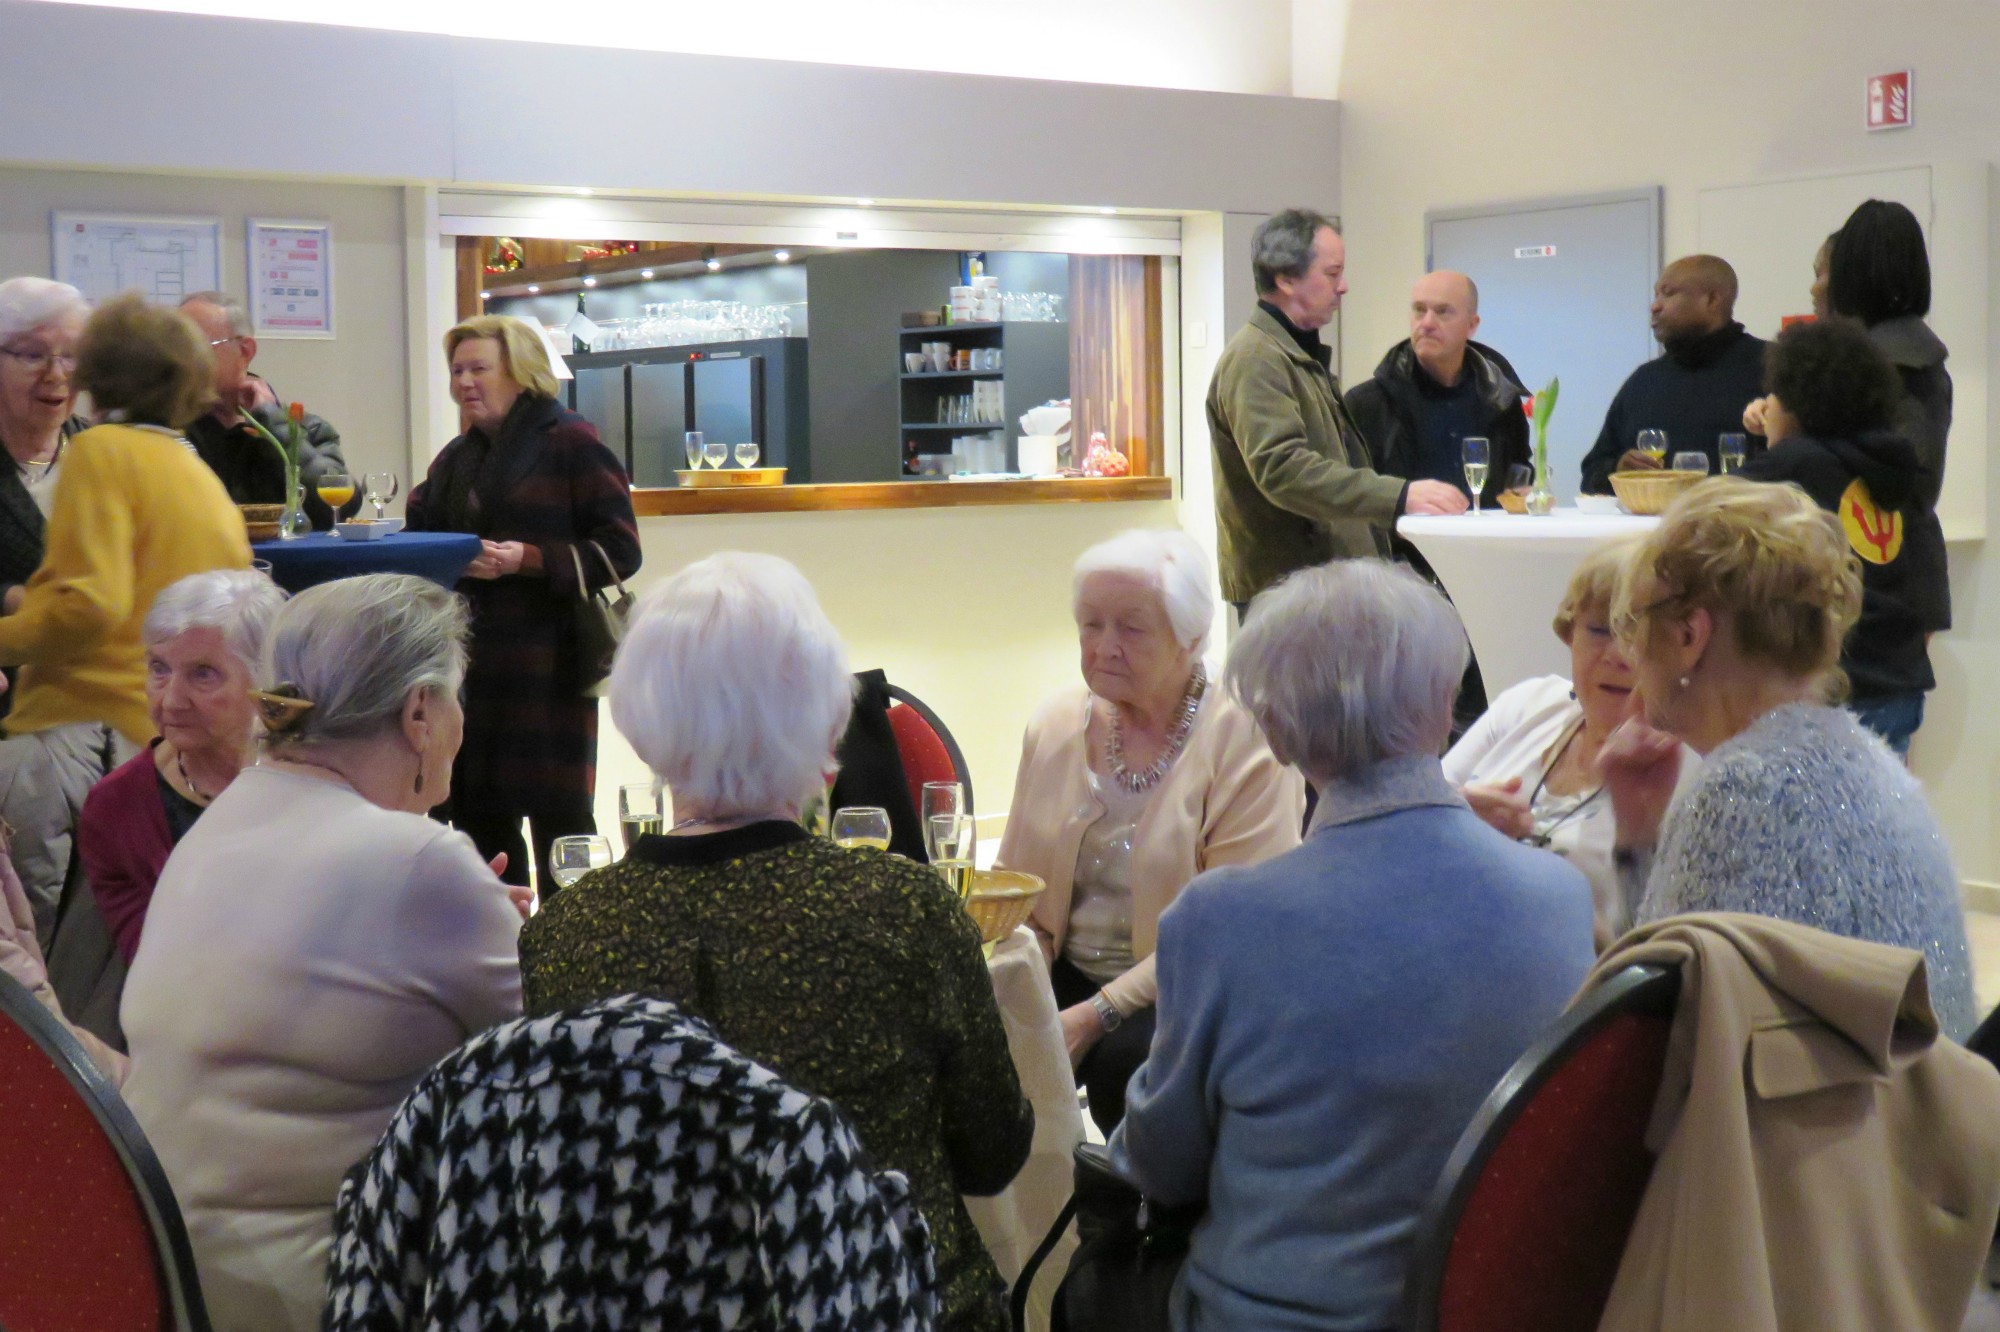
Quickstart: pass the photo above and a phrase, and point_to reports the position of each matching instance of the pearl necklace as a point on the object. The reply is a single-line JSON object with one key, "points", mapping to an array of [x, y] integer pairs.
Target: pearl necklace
{"points": [[1149, 777]]}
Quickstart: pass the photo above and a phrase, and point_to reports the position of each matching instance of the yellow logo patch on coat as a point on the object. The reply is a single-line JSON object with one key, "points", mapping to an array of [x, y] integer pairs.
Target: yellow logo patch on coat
{"points": [[1875, 533]]}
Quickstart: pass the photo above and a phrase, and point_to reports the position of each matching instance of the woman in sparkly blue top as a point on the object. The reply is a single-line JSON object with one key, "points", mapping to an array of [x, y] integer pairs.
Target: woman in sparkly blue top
{"points": [[1733, 611]]}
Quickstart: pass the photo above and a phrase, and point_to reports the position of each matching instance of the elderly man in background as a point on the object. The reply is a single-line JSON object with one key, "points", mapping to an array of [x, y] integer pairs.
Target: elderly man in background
{"points": [[1437, 388], [1293, 487], [1712, 370], [249, 467]]}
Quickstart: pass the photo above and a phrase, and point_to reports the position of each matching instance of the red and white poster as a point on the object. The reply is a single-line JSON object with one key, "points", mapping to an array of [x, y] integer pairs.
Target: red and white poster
{"points": [[291, 279], [1889, 105]]}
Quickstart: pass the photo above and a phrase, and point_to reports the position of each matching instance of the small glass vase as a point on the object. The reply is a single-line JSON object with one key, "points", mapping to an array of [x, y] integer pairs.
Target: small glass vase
{"points": [[1541, 500], [294, 521]]}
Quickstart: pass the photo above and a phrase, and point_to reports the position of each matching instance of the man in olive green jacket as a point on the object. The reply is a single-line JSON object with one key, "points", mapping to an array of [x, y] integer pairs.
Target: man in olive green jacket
{"points": [[1292, 482]]}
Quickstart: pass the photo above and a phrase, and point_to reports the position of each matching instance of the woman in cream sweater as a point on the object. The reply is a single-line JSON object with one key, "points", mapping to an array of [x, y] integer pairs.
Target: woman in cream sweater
{"points": [[1130, 785]]}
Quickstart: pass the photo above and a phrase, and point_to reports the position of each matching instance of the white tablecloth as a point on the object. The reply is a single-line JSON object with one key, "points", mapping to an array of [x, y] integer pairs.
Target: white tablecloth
{"points": [[1506, 574], [1014, 1222]]}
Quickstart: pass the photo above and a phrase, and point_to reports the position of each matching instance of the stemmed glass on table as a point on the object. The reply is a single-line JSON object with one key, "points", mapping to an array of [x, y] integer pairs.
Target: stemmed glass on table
{"points": [[640, 811], [860, 826], [335, 489], [746, 454], [694, 450], [1731, 448], [948, 834], [715, 453], [1478, 456], [1653, 443], [570, 858], [381, 488], [1691, 460]]}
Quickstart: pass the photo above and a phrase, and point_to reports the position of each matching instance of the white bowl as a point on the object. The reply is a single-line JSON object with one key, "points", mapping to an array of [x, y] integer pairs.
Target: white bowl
{"points": [[1599, 504], [366, 531]]}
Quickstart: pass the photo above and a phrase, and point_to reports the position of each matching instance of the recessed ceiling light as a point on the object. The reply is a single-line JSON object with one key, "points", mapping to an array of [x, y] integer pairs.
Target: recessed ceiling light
{"points": [[590, 282], [646, 273], [532, 289], [866, 203], [783, 256]]}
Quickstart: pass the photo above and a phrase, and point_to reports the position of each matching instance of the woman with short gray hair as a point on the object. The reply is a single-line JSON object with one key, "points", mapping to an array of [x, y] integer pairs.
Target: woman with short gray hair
{"points": [[1132, 781], [855, 974], [1363, 991]]}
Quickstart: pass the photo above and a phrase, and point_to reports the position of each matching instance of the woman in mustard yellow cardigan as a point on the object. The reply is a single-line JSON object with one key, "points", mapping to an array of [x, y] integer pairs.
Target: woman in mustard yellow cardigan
{"points": [[135, 511], [1131, 784]]}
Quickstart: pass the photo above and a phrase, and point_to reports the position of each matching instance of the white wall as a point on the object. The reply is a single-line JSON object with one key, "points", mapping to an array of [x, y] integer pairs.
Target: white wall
{"points": [[1214, 45], [356, 381], [1543, 97]]}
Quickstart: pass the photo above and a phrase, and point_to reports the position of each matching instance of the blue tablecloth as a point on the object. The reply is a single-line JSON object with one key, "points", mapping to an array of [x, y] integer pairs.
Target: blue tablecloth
{"points": [[325, 556]]}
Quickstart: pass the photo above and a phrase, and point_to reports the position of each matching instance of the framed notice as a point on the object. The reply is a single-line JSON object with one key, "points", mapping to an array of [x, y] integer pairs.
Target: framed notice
{"points": [[165, 259], [291, 278]]}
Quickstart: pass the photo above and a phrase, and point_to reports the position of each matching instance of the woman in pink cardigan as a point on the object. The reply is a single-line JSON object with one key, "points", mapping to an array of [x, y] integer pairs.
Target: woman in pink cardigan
{"points": [[1130, 785]]}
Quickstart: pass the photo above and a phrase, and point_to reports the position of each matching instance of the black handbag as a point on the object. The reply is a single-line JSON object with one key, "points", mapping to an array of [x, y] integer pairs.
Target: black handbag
{"points": [[600, 622], [1129, 1253]]}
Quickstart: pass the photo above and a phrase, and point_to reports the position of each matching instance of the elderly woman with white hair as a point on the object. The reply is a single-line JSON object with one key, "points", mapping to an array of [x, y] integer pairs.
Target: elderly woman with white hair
{"points": [[1330, 1020], [313, 946], [40, 324], [1132, 782], [853, 974]]}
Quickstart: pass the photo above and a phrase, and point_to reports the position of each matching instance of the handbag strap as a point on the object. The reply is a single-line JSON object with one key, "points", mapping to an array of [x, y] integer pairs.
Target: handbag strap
{"points": [[609, 567], [1024, 1284]]}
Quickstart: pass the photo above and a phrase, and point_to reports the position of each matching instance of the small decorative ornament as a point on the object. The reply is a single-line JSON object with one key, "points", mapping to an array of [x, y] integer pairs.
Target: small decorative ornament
{"points": [[1146, 780]]}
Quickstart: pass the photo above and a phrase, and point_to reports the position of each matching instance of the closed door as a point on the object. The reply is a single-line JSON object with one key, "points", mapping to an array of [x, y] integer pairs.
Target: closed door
{"points": [[659, 422], [1564, 291]]}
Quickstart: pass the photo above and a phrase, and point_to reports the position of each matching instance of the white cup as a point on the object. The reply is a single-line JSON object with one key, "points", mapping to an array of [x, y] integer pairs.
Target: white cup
{"points": [[914, 362]]}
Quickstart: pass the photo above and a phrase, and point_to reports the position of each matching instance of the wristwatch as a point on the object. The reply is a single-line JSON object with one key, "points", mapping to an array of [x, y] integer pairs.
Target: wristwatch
{"points": [[1107, 1012]]}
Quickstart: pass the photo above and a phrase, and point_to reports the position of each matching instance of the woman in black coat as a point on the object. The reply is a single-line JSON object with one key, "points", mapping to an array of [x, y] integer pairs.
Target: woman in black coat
{"points": [[532, 479]]}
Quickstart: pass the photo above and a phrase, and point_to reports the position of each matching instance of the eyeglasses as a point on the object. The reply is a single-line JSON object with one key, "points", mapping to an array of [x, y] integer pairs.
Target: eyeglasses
{"points": [[1625, 626], [38, 362], [224, 342]]}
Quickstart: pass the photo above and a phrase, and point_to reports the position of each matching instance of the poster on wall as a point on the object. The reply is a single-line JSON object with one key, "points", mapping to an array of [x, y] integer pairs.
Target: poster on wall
{"points": [[166, 259], [291, 279]]}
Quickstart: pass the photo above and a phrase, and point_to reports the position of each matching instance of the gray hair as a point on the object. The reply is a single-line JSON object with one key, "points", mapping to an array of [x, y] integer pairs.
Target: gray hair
{"points": [[27, 303], [239, 604], [733, 685], [357, 648], [1283, 245], [1172, 563], [232, 309], [1349, 664]]}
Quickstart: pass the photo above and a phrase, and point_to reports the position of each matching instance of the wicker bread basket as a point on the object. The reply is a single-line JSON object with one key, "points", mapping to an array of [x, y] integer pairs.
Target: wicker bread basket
{"points": [[1001, 901], [1651, 492]]}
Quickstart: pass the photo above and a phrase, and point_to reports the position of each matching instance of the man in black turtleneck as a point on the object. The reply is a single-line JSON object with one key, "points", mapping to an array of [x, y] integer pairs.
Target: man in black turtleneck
{"points": [[1712, 370]]}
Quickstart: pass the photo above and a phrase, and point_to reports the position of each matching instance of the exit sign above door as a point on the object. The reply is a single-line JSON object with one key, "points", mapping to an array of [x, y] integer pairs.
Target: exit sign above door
{"points": [[1889, 104]]}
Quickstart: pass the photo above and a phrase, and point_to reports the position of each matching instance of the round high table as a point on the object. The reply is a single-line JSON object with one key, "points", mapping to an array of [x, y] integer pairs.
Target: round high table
{"points": [[1506, 574], [324, 556]]}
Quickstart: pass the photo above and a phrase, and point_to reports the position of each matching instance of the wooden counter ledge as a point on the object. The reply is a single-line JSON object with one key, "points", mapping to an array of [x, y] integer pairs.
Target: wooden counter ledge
{"points": [[896, 495]]}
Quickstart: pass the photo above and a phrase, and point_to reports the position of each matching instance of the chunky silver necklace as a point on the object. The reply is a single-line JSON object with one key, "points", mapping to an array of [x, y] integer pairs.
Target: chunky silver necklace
{"points": [[1149, 777]]}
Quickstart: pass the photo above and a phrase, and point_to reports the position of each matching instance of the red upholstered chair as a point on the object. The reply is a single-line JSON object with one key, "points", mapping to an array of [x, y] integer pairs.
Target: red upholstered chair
{"points": [[90, 1237], [928, 752], [1528, 1222]]}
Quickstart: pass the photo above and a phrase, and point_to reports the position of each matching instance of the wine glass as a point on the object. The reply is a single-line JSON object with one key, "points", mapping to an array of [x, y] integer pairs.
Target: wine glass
{"points": [[746, 454], [949, 838], [335, 489], [861, 825], [1691, 460], [714, 452], [940, 798], [639, 811], [382, 487], [1653, 443], [570, 858], [694, 450], [1731, 449], [1478, 456]]}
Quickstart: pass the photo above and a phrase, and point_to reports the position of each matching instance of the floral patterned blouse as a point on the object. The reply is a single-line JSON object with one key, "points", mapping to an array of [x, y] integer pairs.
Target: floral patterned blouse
{"points": [[853, 974]]}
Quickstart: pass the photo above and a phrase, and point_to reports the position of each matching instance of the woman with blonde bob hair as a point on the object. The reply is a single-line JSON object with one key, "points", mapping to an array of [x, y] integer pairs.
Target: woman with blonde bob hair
{"points": [[1733, 611], [553, 509], [854, 974], [1133, 780]]}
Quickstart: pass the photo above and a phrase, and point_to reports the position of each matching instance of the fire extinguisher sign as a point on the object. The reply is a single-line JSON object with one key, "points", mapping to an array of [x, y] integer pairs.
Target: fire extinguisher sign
{"points": [[1889, 104]]}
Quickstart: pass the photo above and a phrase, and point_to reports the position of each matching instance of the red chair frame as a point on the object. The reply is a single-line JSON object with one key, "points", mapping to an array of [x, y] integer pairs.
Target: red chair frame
{"points": [[1557, 1259], [900, 695], [179, 1288]]}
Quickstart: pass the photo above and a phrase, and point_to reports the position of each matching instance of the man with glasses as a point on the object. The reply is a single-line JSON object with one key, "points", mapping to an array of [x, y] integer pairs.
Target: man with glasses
{"points": [[250, 468]]}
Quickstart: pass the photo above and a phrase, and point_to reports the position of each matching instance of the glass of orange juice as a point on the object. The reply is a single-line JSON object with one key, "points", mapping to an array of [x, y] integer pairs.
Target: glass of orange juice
{"points": [[335, 489]]}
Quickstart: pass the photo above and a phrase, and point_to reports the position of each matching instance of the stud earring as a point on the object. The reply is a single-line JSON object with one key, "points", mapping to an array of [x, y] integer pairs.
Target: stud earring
{"points": [[1684, 682]]}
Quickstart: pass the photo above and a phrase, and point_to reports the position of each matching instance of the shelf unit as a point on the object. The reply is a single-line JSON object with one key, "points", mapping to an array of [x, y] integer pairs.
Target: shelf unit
{"points": [[1034, 370]]}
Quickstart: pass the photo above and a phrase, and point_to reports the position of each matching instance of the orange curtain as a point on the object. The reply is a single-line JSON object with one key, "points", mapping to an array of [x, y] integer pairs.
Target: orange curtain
{"points": [[1115, 349]]}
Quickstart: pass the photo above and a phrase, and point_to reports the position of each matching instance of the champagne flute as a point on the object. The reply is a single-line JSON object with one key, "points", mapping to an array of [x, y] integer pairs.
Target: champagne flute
{"points": [[1653, 443], [382, 487], [861, 825], [1691, 460], [639, 811], [950, 839], [746, 454], [939, 798], [714, 452], [335, 489], [1478, 456], [1731, 448], [694, 450], [570, 858]]}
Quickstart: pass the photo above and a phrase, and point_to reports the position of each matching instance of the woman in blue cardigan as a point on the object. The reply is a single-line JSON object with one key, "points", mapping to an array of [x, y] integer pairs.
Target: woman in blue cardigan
{"points": [[1331, 1019]]}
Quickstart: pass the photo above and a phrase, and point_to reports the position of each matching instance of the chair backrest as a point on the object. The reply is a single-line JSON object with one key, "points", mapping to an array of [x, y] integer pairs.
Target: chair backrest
{"points": [[925, 745], [91, 1239], [1526, 1227]]}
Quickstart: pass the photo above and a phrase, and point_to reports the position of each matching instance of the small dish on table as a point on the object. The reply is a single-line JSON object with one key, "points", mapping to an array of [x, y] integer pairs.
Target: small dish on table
{"points": [[368, 529]]}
